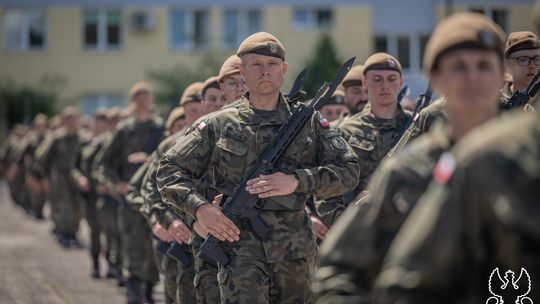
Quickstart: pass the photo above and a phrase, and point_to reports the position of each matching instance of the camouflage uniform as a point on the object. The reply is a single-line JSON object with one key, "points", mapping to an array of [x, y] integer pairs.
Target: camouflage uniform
{"points": [[506, 93], [57, 159], [132, 136], [475, 217], [37, 198], [352, 253], [371, 138], [179, 279], [279, 267]]}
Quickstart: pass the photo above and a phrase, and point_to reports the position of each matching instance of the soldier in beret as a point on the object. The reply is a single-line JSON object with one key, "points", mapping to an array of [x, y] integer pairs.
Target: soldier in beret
{"points": [[355, 92], [277, 268], [230, 80], [336, 107], [459, 64]]}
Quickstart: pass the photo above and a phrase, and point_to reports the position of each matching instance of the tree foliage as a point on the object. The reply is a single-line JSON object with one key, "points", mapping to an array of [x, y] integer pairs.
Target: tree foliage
{"points": [[322, 66]]}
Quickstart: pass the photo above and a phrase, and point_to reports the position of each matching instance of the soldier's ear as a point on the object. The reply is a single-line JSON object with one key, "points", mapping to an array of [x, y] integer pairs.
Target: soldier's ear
{"points": [[241, 69], [285, 66]]}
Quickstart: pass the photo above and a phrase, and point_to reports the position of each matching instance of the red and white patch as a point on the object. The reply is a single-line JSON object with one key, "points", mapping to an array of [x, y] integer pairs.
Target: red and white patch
{"points": [[445, 168], [415, 117], [324, 122], [201, 126]]}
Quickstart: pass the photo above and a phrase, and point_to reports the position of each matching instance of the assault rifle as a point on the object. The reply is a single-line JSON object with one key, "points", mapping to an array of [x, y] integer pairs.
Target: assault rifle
{"points": [[295, 94], [242, 204], [520, 98]]}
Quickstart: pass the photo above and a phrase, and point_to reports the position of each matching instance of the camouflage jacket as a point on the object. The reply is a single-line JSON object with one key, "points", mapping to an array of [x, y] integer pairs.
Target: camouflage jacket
{"points": [[130, 136], [506, 93], [480, 213], [352, 252], [224, 148], [59, 154], [85, 156]]}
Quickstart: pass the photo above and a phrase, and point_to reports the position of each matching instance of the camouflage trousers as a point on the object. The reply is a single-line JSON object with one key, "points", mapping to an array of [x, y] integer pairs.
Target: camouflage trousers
{"points": [[107, 210], [205, 281], [247, 280], [65, 206], [37, 201], [185, 293], [137, 249], [168, 268], [89, 201]]}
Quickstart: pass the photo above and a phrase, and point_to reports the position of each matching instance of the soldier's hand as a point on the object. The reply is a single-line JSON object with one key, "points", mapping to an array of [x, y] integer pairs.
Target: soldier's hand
{"points": [[201, 231], [179, 231], [320, 228], [137, 158], [161, 233], [275, 184], [217, 223], [121, 188], [83, 183]]}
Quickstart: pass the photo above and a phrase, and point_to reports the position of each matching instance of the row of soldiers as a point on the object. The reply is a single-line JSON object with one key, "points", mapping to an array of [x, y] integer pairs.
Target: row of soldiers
{"points": [[421, 206]]}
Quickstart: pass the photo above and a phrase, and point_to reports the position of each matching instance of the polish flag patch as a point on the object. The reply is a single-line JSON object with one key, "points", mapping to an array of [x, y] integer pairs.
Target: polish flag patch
{"points": [[324, 122], [201, 126], [444, 168]]}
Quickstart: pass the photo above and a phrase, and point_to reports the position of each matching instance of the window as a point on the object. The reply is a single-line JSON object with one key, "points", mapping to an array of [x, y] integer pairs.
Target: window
{"points": [[423, 42], [407, 48], [498, 15], [381, 44], [403, 51], [190, 29], [238, 24], [24, 30], [102, 30], [92, 101], [309, 19]]}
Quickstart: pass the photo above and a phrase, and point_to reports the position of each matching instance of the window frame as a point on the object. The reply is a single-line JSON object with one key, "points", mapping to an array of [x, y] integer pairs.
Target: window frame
{"points": [[190, 46], [245, 18], [24, 33], [102, 45], [312, 23]]}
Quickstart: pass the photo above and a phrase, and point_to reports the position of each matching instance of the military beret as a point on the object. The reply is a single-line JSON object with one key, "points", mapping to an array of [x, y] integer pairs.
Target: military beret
{"points": [[261, 43], [100, 113], [113, 113], [70, 111], [518, 41], [229, 67], [174, 115], [141, 86], [40, 118], [192, 93], [353, 77], [462, 30], [536, 17], [338, 98], [211, 82], [381, 61]]}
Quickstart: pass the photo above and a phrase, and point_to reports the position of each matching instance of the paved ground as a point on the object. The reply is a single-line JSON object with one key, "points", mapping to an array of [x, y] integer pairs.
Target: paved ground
{"points": [[34, 269]]}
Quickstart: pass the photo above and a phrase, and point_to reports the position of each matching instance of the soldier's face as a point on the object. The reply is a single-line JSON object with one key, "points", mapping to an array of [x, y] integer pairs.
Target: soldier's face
{"points": [[333, 112], [144, 100], [213, 100], [522, 75], [263, 74], [470, 80], [71, 122], [383, 86], [178, 125], [233, 86], [192, 111], [356, 97]]}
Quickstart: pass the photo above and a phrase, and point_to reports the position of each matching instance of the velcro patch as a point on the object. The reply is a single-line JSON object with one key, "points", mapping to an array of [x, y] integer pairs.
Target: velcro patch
{"points": [[445, 168], [201, 126], [324, 123]]}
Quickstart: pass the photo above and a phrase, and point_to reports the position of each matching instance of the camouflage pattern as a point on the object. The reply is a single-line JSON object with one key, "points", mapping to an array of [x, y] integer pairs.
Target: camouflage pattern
{"points": [[353, 250], [506, 93], [37, 196], [57, 159], [129, 137], [479, 213], [13, 162], [223, 147], [181, 276]]}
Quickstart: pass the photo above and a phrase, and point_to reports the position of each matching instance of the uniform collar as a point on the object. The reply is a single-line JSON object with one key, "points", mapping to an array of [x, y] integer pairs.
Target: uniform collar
{"points": [[248, 116], [369, 117]]}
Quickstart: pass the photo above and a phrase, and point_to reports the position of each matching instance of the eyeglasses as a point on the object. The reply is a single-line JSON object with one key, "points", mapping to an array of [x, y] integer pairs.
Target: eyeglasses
{"points": [[526, 60]]}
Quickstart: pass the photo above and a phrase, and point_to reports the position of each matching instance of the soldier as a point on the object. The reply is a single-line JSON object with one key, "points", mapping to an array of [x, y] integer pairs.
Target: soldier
{"points": [[355, 92], [458, 65], [230, 80], [12, 162], [129, 147], [335, 108], [522, 59], [57, 158], [84, 178], [478, 217], [278, 268]]}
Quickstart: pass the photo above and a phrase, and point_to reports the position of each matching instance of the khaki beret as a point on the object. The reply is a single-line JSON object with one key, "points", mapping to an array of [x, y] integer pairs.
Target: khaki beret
{"points": [[141, 86], [261, 43], [192, 93], [462, 30], [100, 113], [381, 61], [338, 98], [70, 111], [113, 113], [518, 41], [211, 82], [174, 115], [229, 67], [353, 77], [40, 119]]}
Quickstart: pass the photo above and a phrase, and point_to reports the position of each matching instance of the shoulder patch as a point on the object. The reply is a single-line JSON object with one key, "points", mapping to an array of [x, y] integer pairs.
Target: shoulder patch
{"points": [[202, 125], [445, 168], [324, 123], [339, 143]]}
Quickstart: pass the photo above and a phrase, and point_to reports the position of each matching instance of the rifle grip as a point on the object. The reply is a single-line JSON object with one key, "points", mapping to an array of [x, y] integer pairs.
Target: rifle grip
{"points": [[212, 252], [176, 251], [257, 224]]}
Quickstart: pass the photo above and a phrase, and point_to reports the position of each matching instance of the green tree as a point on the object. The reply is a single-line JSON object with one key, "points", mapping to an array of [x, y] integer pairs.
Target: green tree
{"points": [[322, 66], [170, 82]]}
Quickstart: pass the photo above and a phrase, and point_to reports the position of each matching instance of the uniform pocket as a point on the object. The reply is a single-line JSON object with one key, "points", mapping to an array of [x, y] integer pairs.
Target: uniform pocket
{"points": [[231, 145], [361, 143], [223, 275]]}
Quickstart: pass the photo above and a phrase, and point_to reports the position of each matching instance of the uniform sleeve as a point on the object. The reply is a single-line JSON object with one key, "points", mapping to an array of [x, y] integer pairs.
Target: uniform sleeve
{"points": [[338, 171], [46, 154], [110, 160], [134, 197], [76, 170], [182, 165], [428, 261]]}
